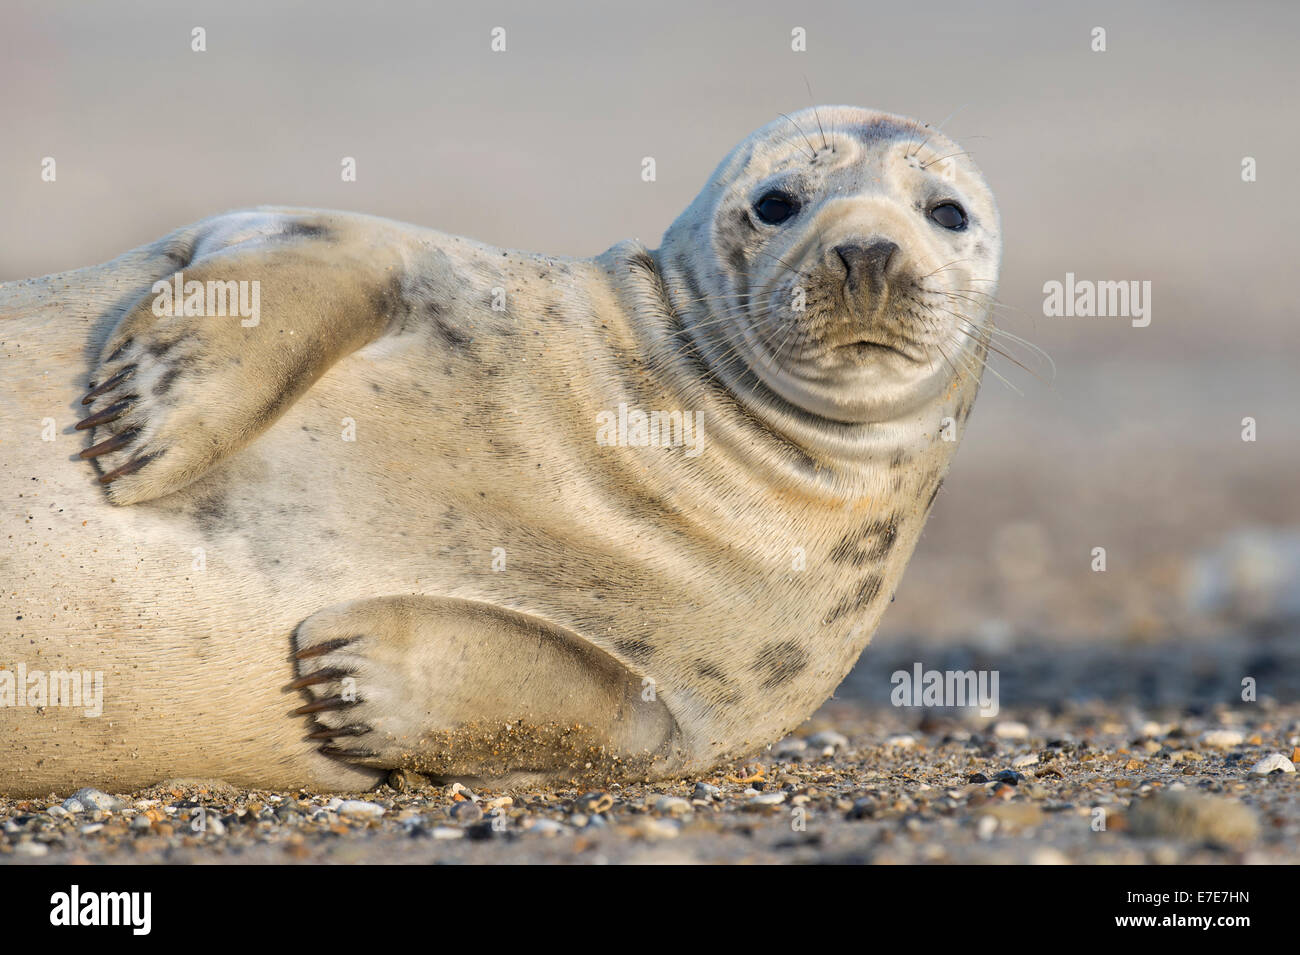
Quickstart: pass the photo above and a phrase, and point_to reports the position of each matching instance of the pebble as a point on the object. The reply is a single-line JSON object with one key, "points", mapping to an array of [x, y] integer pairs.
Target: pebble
{"points": [[900, 741], [1272, 763], [466, 811], [460, 789], [1223, 739], [706, 791], [594, 802], [673, 806], [544, 827], [1029, 759], [141, 823], [862, 808], [790, 747], [93, 799], [763, 800], [30, 848], [654, 827], [357, 807], [403, 780], [58, 811], [447, 832], [1010, 729], [828, 738], [1013, 815], [290, 810], [1192, 816]]}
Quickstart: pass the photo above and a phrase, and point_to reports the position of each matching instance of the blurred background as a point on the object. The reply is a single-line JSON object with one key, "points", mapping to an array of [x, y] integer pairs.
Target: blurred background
{"points": [[1116, 165]]}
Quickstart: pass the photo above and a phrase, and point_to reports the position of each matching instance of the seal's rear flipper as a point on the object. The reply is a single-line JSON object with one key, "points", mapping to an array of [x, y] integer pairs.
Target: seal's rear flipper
{"points": [[457, 689], [259, 306]]}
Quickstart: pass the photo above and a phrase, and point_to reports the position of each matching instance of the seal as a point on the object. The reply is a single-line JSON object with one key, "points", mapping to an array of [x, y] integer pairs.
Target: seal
{"points": [[366, 496]]}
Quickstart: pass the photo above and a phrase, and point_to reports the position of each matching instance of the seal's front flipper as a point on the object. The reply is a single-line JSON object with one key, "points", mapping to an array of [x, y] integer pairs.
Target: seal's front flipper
{"points": [[458, 689], [262, 304]]}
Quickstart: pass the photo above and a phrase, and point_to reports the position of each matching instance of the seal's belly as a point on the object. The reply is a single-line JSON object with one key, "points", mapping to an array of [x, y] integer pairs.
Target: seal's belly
{"points": [[409, 489]]}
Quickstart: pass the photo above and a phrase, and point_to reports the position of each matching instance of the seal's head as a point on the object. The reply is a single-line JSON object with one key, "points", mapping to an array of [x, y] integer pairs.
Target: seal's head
{"points": [[841, 260]]}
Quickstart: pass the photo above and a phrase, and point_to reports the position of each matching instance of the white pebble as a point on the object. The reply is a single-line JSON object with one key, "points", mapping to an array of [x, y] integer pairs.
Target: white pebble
{"points": [[1020, 762], [673, 806], [94, 799], [544, 827], [900, 741], [358, 807], [1272, 763], [31, 849], [768, 799], [828, 738], [1010, 729], [1223, 739], [653, 827], [447, 832]]}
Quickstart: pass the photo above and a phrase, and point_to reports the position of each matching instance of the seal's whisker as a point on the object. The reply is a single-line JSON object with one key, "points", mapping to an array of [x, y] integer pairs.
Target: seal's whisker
{"points": [[939, 128], [816, 116], [936, 325], [812, 149], [941, 269], [980, 300], [798, 272], [997, 374], [964, 152], [993, 331], [983, 336]]}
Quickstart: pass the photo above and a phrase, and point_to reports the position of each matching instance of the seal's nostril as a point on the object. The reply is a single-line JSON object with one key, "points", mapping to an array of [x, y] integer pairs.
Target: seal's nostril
{"points": [[867, 261]]}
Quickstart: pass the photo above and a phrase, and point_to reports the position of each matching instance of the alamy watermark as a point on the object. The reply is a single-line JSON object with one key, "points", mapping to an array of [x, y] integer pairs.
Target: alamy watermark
{"points": [[130, 909], [38, 688], [922, 687], [634, 428], [211, 299], [1084, 298]]}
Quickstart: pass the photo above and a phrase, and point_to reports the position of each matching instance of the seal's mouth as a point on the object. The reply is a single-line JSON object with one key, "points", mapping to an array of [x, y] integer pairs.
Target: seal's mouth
{"points": [[866, 348], [861, 349]]}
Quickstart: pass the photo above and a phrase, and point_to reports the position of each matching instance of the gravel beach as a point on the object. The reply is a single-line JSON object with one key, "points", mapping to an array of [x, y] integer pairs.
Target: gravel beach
{"points": [[1073, 780]]}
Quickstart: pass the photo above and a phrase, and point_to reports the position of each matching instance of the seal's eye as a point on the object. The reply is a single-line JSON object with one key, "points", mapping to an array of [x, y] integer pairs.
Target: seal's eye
{"points": [[776, 207], [949, 215]]}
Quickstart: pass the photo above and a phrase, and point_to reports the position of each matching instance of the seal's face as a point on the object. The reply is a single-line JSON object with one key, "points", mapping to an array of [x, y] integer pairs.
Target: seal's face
{"points": [[854, 258]]}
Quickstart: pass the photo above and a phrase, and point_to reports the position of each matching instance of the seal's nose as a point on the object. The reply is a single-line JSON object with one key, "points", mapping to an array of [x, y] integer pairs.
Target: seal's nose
{"points": [[867, 261]]}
